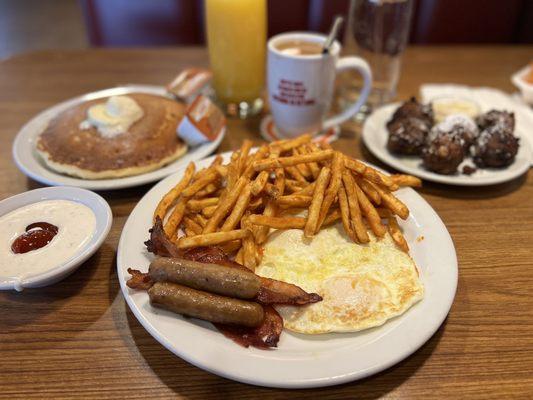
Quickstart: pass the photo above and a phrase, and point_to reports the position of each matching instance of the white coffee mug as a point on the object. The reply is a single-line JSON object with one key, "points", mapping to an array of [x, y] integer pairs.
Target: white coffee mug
{"points": [[300, 87]]}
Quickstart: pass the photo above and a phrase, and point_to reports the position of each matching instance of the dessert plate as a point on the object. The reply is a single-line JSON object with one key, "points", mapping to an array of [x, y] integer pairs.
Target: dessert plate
{"points": [[300, 361], [375, 136], [30, 163]]}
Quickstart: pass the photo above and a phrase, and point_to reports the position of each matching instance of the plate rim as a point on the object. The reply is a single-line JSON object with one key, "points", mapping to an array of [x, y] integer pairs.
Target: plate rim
{"points": [[394, 161], [298, 383], [57, 179]]}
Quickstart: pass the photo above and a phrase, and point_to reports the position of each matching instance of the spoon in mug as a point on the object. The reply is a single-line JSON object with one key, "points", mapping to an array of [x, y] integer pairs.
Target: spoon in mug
{"points": [[333, 32]]}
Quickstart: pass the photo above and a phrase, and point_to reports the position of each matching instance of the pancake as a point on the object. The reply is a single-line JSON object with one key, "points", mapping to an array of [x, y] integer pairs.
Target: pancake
{"points": [[149, 144], [362, 286]]}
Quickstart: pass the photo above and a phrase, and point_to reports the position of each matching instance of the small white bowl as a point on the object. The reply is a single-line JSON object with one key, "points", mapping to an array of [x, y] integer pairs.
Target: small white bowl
{"points": [[96, 203], [526, 89]]}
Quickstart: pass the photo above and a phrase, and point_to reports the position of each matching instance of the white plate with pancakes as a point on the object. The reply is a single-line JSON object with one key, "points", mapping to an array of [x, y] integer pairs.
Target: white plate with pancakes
{"points": [[375, 136], [301, 360], [32, 164]]}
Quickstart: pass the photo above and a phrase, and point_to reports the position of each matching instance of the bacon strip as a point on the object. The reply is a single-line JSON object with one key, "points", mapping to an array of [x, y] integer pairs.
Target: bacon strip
{"points": [[139, 280], [159, 243], [278, 292], [264, 336]]}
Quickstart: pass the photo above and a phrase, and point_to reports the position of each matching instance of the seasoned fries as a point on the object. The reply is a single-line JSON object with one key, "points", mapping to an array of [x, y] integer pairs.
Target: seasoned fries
{"points": [[288, 184]]}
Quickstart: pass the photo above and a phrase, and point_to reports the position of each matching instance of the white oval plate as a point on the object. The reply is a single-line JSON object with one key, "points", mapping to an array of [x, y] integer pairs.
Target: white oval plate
{"points": [[375, 137], [30, 163], [300, 361], [103, 216]]}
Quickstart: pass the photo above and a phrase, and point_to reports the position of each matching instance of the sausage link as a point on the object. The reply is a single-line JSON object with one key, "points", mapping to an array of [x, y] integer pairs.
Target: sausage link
{"points": [[206, 306], [212, 278]]}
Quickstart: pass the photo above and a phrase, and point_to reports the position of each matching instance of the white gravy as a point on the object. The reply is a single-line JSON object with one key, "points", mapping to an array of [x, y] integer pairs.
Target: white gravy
{"points": [[76, 225]]}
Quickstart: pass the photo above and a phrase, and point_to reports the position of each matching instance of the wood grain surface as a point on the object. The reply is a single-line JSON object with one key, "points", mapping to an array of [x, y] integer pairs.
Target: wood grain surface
{"points": [[78, 339]]}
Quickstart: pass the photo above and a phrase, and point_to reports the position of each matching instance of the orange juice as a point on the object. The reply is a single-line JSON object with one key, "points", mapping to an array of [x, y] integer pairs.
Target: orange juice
{"points": [[236, 37]]}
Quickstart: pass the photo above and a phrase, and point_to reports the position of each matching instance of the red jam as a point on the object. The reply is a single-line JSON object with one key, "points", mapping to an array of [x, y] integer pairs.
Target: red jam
{"points": [[37, 235]]}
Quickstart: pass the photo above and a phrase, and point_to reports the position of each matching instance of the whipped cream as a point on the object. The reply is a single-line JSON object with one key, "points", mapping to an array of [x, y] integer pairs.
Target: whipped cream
{"points": [[114, 117]]}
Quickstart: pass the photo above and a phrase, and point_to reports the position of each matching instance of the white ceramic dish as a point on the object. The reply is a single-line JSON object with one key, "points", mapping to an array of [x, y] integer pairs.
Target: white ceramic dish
{"points": [[375, 137], [96, 203], [30, 163], [300, 361]]}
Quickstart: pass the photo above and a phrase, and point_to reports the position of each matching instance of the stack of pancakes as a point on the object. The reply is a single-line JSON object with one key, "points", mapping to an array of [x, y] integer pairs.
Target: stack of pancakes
{"points": [[149, 144]]}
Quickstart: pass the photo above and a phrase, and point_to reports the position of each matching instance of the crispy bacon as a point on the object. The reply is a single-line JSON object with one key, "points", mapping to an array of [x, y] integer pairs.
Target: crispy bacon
{"points": [[139, 280], [264, 336], [278, 292], [159, 243]]}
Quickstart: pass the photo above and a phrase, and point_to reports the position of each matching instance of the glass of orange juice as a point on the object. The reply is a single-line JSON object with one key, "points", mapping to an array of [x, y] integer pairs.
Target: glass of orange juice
{"points": [[236, 38]]}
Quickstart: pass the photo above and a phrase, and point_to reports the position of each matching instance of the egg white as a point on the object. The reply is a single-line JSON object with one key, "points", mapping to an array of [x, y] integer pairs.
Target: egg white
{"points": [[362, 285]]}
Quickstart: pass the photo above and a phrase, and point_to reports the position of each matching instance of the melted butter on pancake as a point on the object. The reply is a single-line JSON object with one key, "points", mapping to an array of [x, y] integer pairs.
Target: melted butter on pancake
{"points": [[362, 286], [113, 117]]}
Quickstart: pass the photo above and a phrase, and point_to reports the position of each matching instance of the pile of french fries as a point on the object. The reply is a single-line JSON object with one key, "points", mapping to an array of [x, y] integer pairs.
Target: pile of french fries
{"points": [[235, 205]]}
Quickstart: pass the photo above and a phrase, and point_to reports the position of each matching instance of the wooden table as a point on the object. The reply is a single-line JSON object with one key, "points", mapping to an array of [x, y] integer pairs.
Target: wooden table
{"points": [[78, 339]]}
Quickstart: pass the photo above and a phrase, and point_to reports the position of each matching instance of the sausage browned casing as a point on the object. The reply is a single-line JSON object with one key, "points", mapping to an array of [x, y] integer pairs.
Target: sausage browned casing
{"points": [[203, 305], [212, 278]]}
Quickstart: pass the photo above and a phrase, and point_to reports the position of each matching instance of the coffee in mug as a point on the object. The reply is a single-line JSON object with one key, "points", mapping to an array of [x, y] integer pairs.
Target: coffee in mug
{"points": [[301, 79]]}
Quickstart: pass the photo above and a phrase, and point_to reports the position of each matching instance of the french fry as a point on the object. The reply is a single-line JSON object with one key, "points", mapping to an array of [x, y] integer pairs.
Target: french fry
{"points": [[294, 200], [369, 212], [278, 222], [259, 183], [245, 150], [406, 180], [224, 205], [271, 191], [302, 167], [199, 205], [175, 217], [394, 229], [209, 189], [307, 191], [211, 239], [271, 163], [209, 211], [345, 214], [189, 232], [370, 190], [249, 249], [337, 166], [240, 256], [209, 177], [356, 219], [316, 202], [192, 225], [168, 199], [293, 171], [200, 220], [313, 166], [294, 185], [285, 145], [325, 145], [393, 203], [373, 175], [238, 210]]}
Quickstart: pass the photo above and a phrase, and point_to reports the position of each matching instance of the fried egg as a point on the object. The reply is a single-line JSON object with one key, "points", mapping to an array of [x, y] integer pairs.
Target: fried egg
{"points": [[362, 286]]}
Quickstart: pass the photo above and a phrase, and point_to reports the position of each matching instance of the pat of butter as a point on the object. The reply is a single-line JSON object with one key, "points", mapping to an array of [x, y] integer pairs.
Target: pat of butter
{"points": [[203, 122], [446, 106], [190, 82]]}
